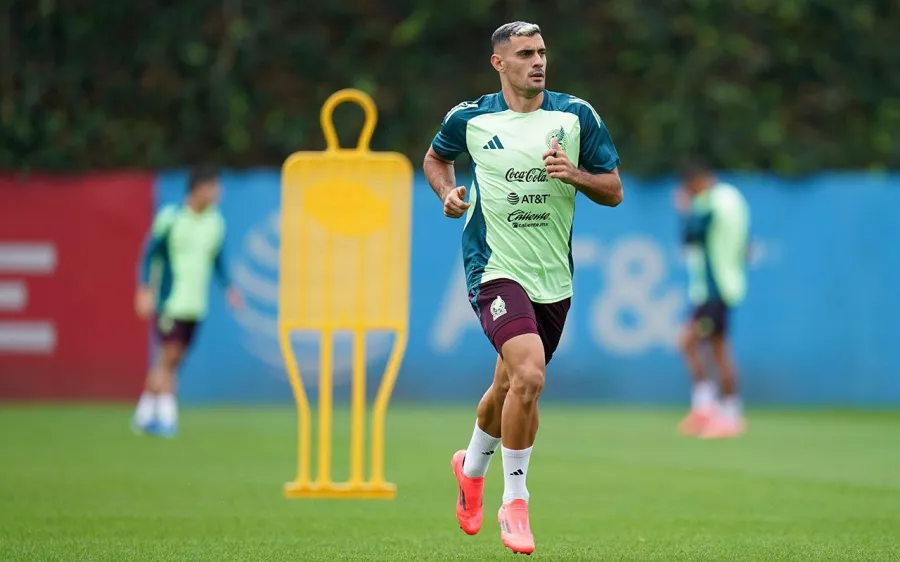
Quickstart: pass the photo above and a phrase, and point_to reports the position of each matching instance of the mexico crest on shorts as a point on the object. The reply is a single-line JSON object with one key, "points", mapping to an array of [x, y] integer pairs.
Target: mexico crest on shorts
{"points": [[561, 137], [498, 308], [166, 324]]}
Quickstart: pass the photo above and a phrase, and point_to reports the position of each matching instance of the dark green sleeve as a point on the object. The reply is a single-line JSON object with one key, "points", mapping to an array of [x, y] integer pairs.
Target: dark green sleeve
{"points": [[221, 263], [598, 153], [450, 141], [156, 242]]}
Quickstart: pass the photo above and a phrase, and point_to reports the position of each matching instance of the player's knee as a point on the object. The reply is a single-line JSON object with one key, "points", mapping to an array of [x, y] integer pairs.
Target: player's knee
{"points": [[688, 340], [501, 388], [527, 381], [500, 385], [497, 392]]}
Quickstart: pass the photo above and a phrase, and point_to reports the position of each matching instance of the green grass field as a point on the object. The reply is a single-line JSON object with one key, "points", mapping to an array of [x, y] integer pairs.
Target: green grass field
{"points": [[606, 484]]}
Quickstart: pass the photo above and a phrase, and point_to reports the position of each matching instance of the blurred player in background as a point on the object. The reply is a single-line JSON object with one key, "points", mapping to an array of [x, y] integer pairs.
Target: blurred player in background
{"points": [[716, 221], [531, 150], [184, 250]]}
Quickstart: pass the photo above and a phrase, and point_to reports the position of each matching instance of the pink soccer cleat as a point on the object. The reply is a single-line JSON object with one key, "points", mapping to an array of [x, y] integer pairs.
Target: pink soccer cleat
{"points": [[695, 422], [469, 506], [515, 531], [720, 427]]}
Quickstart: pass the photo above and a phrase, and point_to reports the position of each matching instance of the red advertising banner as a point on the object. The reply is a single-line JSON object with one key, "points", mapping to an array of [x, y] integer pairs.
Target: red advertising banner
{"points": [[69, 247]]}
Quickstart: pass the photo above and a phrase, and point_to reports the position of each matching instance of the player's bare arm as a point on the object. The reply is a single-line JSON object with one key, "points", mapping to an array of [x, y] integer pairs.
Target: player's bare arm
{"points": [[441, 177], [604, 188], [144, 302], [145, 299]]}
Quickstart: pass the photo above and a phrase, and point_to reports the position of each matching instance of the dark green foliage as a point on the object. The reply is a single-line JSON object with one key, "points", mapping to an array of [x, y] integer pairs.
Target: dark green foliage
{"points": [[787, 85]]}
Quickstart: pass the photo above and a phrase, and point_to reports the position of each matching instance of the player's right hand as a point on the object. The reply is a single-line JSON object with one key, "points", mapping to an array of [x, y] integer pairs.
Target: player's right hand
{"points": [[681, 200], [455, 204], [144, 303]]}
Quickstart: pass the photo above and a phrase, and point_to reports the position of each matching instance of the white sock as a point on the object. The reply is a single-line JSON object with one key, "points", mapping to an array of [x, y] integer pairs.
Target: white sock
{"points": [[167, 408], [515, 470], [731, 407], [146, 408], [703, 396], [480, 452]]}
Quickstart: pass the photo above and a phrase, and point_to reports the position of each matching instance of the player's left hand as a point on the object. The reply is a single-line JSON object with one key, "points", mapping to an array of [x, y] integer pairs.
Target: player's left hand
{"points": [[558, 165], [235, 299], [144, 302]]}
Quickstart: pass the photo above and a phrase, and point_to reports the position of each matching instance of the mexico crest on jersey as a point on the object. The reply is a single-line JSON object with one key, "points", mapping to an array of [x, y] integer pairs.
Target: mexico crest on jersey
{"points": [[561, 137]]}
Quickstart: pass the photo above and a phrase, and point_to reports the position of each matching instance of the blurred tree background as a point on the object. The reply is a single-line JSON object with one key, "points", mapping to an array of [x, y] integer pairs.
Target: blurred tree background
{"points": [[786, 85]]}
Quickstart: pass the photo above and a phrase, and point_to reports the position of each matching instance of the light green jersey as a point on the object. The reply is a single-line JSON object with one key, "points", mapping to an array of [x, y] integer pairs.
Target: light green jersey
{"points": [[717, 234], [519, 224], [185, 248]]}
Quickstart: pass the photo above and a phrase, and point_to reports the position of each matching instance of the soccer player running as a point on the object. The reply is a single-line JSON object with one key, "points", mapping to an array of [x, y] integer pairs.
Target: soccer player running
{"points": [[531, 151], [716, 221], [183, 251]]}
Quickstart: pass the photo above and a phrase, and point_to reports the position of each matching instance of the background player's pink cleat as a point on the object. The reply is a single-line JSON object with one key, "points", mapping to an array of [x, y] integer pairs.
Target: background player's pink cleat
{"points": [[515, 531], [695, 422], [721, 427], [469, 503]]}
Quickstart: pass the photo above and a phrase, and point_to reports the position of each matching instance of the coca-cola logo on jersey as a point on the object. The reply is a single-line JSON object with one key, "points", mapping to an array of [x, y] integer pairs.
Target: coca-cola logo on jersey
{"points": [[534, 175]]}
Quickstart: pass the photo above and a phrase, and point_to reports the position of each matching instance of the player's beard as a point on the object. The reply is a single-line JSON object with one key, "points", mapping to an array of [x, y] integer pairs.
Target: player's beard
{"points": [[531, 89], [526, 87]]}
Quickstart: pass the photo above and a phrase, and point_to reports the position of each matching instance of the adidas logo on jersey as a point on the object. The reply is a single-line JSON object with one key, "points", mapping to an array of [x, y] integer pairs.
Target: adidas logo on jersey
{"points": [[494, 143]]}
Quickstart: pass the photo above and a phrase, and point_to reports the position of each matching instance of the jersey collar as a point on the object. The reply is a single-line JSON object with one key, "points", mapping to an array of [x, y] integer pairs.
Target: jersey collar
{"points": [[545, 103]]}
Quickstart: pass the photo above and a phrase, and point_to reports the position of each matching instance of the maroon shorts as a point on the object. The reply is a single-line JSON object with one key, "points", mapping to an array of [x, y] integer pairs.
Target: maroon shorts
{"points": [[711, 319], [506, 311], [173, 330]]}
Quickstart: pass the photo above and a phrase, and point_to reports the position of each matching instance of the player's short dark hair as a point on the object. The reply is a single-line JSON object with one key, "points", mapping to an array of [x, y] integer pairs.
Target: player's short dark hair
{"points": [[201, 175], [514, 29], [695, 168]]}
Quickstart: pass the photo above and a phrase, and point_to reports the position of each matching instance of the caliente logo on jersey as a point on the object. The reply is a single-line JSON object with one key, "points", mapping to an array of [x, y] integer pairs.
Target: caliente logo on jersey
{"points": [[527, 219]]}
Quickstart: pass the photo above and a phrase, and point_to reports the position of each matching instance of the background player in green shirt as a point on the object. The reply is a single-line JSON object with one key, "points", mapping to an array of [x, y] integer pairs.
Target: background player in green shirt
{"points": [[184, 250], [531, 151], [716, 223]]}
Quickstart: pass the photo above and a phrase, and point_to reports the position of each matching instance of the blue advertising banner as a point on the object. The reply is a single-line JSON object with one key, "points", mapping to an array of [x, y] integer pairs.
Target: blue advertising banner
{"points": [[819, 325]]}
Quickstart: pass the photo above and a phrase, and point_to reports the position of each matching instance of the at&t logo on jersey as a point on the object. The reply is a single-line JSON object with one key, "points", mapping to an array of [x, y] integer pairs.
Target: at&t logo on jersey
{"points": [[532, 198]]}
